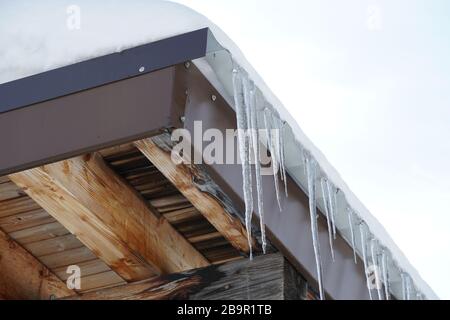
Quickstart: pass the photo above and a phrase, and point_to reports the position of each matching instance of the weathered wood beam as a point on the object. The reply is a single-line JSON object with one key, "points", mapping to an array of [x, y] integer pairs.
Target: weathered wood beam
{"points": [[109, 217], [22, 276], [265, 277], [195, 185]]}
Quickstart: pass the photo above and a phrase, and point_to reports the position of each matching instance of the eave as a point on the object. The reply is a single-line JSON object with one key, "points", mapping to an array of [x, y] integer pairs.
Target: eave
{"points": [[111, 100]]}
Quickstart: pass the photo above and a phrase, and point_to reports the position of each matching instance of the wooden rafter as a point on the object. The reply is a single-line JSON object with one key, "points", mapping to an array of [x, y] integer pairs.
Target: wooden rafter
{"points": [[22, 276], [184, 177], [266, 277], [109, 217]]}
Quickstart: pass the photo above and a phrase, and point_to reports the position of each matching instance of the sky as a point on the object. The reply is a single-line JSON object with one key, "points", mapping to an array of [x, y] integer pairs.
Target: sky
{"points": [[369, 84]]}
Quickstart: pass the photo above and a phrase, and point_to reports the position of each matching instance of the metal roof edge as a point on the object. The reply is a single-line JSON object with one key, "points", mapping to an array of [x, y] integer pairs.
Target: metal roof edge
{"points": [[103, 70]]}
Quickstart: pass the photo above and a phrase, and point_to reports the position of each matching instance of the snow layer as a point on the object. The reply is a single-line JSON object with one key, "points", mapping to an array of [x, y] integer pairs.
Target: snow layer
{"points": [[35, 38]]}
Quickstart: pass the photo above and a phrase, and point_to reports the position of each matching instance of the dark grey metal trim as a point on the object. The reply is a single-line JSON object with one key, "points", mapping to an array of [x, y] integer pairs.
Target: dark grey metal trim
{"points": [[103, 70]]}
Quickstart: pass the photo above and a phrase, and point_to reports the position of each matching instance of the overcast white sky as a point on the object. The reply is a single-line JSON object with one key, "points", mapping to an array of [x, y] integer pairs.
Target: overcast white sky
{"points": [[369, 83]]}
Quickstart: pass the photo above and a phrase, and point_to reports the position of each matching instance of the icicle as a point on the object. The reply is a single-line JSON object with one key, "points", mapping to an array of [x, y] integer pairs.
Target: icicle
{"points": [[268, 122], [363, 245], [408, 287], [404, 285], [282, 159], [352, 233], [373, 252], [255, 144], [385, 274], [412, 290], [323, 183], [278, 147], [244, 151], [332, 198], [311, 168]]}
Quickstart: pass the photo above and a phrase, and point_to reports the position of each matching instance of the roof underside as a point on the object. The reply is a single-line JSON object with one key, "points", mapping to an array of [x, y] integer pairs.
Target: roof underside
{"points": [[22, 219]]}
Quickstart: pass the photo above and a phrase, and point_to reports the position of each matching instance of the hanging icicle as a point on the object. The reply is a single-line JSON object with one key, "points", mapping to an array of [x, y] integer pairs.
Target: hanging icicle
{"points": [[408, 287], [244, 149], [385, 274], [326, 204], [364, 249], [271, 138], [375, 264], [282, 157], [248, 135], [352, 232], [329, 195], [247, 100], [332, 191], [404, 286], [254, 130], [311, 169]]}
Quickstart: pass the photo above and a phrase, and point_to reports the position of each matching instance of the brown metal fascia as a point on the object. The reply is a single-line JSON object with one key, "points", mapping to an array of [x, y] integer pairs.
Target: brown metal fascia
{"points": [[104, 116]]}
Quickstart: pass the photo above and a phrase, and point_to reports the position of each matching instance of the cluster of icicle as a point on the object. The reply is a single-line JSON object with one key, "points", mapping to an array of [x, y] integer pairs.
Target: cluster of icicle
{"points": [[375, 257], [248, 106], [247, 109]]}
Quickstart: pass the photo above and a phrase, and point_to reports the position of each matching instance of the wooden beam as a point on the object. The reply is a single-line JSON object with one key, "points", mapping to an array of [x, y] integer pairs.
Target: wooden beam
{"points": [[266, 277], [109, 217], [22, 276], [198, 188]]}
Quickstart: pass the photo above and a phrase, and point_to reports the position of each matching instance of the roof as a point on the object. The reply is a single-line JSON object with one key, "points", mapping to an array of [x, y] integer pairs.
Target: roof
{"points": [[64, 48]]}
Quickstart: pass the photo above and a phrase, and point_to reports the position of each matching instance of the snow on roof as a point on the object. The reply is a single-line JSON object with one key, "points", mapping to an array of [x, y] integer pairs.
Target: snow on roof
{"points": [[36, 38]]}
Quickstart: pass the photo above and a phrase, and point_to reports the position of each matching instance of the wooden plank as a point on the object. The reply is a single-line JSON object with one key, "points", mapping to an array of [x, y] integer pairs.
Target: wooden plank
{"points": [[25, 220], [171, 200], [266, 277], [182, 215], [4, 179], [205, 237], [9, 190], [17, 205], [120, 149], [39, 233], [157, 150], [228, 259], [100, 280], [81, 221], [109, 217], [22, 276], [67, 258], [87, 268], [53, 245]]}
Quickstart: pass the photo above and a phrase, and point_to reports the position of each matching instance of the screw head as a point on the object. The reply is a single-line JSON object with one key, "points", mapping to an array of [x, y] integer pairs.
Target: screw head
{"points": [[182, 118], [213, 97], [142, 69], [187, 64]]}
